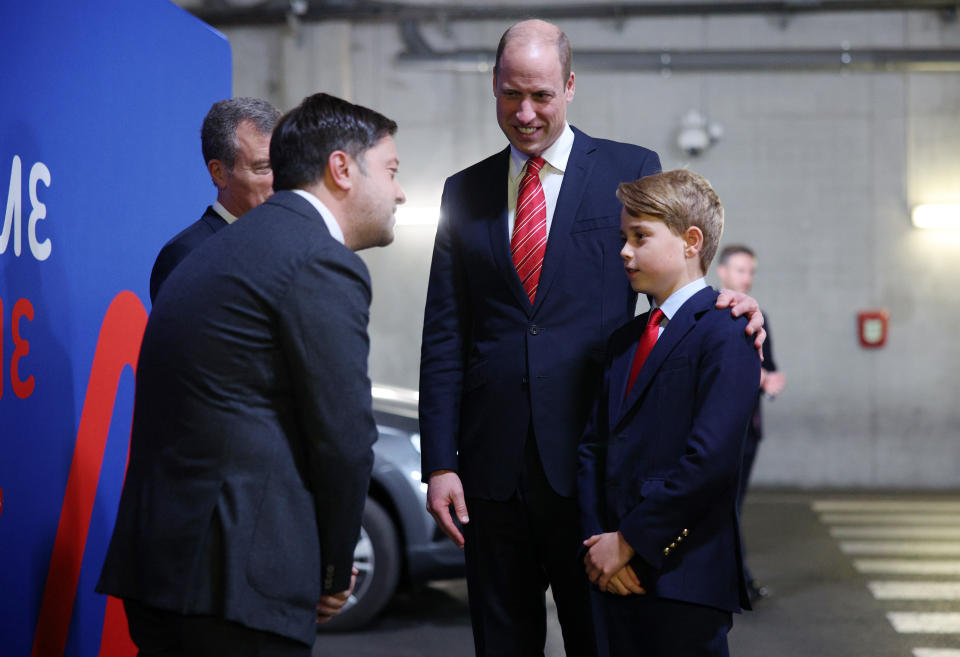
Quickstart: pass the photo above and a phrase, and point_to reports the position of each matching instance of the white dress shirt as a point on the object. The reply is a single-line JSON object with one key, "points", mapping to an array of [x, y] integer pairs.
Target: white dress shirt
{"points": [[677, 299], [223, 212], [551, 176], [324, 211]]}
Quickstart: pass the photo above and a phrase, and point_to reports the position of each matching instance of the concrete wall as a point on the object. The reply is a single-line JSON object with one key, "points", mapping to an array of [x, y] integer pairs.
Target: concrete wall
{"points": [[817, 172]]}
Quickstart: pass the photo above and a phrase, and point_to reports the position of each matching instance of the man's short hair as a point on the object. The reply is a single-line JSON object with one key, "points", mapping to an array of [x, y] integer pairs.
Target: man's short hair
{"points": [[218, 136], [306, 136], [732, 250], [564, 51], [680, 199]]}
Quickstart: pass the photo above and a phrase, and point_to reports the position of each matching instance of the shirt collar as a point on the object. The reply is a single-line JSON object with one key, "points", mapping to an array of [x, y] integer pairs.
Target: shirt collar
{"points": [[556, 155], [223, 212], [678, 298], [325, 213]]}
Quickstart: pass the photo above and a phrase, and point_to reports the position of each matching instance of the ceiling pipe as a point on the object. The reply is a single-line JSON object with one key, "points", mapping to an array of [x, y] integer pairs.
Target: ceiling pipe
{"points": [[276, 11], [721, 61], [419, 52]]}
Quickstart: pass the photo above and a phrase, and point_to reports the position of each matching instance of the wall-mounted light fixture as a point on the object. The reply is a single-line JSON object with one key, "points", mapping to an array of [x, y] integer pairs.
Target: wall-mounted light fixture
{"points": [[417, 215], [937, 215]]}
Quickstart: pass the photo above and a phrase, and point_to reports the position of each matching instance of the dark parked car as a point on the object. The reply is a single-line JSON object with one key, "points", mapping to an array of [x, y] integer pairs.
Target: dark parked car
{"points": [[400, 544]]}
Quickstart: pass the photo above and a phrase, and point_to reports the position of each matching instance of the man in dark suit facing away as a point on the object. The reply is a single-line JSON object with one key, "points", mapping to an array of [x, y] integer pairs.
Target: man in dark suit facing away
{"points": [[525, 287], [251, 449], [235, 140]]}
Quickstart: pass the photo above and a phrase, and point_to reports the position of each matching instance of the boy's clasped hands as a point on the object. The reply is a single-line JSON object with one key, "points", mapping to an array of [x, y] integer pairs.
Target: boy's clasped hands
{"points": [[608, 564]]}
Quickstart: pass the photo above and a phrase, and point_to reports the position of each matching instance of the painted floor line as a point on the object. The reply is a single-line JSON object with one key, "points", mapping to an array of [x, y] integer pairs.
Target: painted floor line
{"points": [[895, 532], [907, 566], [936, 652], [915, 590], [918, 548], [882, 518], [892, 505], [928, 622]]}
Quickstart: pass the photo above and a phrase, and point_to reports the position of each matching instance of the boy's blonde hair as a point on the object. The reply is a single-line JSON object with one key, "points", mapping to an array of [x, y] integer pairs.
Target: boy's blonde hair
{"points": [[680, 199]]}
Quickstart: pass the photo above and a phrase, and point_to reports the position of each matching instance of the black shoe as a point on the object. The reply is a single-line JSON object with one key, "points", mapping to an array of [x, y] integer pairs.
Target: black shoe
{"points": [[756, 591]]}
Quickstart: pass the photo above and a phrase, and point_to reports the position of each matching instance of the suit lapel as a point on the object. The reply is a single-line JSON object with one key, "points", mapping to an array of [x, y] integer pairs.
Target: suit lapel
{"points": [[678, 328], [495, 204], [575, 178], [621, 364]]}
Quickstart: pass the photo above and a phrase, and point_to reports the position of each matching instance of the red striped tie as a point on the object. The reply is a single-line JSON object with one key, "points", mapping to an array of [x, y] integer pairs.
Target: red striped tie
{"points": [[529, 240]]}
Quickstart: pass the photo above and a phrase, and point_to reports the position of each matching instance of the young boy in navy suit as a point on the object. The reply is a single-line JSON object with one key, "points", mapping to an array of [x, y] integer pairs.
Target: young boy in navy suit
{"points": [[660, 458]]}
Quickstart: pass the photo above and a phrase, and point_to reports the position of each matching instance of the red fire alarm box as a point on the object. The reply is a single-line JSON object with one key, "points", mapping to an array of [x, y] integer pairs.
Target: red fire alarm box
{"points": [[873, 328]]}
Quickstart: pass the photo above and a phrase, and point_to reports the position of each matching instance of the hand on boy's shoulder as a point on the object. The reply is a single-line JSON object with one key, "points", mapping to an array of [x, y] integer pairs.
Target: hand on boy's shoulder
{"points": [[743, 305], [723, 328]]}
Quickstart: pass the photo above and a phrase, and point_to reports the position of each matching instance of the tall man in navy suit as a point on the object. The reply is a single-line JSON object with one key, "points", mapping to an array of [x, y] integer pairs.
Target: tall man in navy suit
{"points": [[251, 453], [235, 140], [510, 367]]}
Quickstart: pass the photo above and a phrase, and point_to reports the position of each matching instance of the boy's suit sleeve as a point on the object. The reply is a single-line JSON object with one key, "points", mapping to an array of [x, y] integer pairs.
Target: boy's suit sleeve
{"points": [[727, 379], [592, 453], [592, 466]]}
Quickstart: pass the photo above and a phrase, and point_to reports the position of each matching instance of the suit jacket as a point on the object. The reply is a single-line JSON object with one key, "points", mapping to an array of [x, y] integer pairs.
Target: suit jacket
{"points": [[492, 365], [662, 466], [174, 251], [252, 434]]}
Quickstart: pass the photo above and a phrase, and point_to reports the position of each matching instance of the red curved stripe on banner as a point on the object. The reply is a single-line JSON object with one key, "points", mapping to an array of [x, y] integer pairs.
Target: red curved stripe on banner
{"points": [[115, 640], [117, 347]]}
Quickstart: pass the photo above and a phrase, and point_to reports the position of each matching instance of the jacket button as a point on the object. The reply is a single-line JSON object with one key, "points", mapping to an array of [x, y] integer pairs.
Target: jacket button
{"points": [[673, 546], [666, 552], [534, 329], [685, 532]]}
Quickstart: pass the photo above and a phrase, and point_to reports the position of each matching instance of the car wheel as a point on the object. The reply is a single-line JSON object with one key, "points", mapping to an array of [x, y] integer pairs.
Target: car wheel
{"points": [[377, 557]]}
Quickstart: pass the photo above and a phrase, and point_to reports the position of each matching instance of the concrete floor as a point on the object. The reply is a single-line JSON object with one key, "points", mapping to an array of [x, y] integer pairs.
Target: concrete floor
{"points": [[809, 548]]}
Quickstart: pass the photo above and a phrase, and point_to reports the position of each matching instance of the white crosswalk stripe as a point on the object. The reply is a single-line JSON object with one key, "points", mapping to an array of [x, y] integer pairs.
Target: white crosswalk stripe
{"points": [[918, 548], [915, 590], [895, 532], [884, 518], [907, 566], [891, 505], [918, 537], [925, 622]]}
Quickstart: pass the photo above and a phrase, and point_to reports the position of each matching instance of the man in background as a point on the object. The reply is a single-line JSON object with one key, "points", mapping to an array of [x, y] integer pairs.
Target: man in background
{"points": [[735, 269], [251, 448], [235, 139]]}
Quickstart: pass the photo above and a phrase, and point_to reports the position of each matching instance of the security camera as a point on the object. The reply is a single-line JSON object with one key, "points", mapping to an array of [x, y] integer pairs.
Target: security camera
{"points": [[696, 135], [693, 141]]}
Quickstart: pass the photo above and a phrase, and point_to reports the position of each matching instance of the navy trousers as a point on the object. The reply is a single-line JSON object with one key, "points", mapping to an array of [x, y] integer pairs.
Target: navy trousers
{"points": [[514, 550], [159, 633], [646, 626]]}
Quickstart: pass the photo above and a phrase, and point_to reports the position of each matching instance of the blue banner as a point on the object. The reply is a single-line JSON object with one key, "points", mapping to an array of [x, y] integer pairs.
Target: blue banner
{"points": [[100, 164]]}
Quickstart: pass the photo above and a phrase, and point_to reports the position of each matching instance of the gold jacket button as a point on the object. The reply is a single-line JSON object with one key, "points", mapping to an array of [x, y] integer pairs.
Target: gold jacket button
{"points": [[666, 552], [685, 532]]}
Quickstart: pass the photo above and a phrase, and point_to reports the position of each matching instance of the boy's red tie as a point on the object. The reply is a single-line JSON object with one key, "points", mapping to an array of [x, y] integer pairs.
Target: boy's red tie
{"points": [[647, 340], [529, 240]]}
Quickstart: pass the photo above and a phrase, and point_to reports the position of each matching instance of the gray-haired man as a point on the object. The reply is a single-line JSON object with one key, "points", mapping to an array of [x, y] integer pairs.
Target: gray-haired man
{"points": [[235, 139]]}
